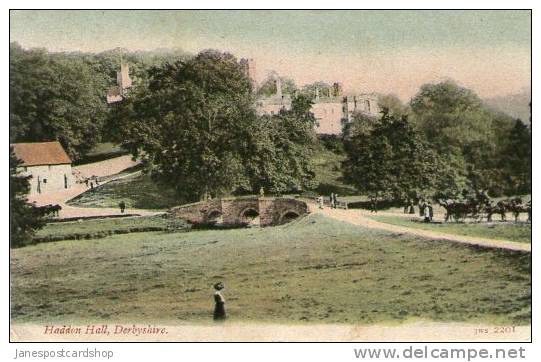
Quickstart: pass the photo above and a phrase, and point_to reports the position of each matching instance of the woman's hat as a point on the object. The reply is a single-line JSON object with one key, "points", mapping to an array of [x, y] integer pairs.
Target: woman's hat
{"points": [[219, 286]]}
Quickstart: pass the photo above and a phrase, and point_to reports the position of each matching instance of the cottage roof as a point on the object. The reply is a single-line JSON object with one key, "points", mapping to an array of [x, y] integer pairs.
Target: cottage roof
{"points": [[41, 153]]}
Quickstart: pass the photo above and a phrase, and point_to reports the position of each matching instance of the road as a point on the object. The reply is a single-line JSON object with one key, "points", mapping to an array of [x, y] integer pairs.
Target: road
{"points": [[110, 167], [360, 217]]}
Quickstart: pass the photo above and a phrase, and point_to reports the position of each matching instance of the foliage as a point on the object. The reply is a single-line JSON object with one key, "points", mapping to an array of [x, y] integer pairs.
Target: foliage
{"points": [[322, 88], [55, 98], [516, 159], [475, 139], [24, 218], [195, 123], [390, 160], [268, 86], [393, 104], [281, 147]]}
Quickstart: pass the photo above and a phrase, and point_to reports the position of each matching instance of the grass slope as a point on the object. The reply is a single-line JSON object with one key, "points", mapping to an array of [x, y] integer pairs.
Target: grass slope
{"points": [[327, 167], [312, 270], [520, 232], [138, 191], [96, 228]]}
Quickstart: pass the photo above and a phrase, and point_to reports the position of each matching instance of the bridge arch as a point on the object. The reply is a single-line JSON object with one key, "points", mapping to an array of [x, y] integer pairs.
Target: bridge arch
{"points": [[288, 215], [214, 215]]}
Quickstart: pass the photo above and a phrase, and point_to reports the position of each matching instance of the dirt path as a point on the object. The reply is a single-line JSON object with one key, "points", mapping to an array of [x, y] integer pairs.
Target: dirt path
{"points": [[359, 217], [410, 332], [105, 168]]}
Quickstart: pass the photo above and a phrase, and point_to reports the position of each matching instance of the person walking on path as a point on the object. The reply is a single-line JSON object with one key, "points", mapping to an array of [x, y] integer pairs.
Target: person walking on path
{"points": [[122, 206], [219, 301], [335, 200], [331, 200], [320, 202], [426, 212]]}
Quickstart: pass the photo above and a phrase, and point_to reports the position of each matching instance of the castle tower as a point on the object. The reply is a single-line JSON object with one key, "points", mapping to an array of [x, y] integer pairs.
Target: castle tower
{"points": [[278, 83], [337, 89], [123, 77], [248, 66]]}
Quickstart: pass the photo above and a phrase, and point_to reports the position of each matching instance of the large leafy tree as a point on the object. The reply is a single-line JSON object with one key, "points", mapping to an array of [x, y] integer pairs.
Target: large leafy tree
{"points": [[191, 121], [281, 148], [516, 159], [55, 97], [24, 218], [391, 160], [472, 137]]}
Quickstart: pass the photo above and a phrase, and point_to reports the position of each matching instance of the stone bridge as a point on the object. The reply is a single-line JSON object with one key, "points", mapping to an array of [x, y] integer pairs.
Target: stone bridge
{"points": [[265, 211]]}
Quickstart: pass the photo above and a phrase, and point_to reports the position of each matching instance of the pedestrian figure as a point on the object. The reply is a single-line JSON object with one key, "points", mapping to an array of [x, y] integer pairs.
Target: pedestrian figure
{"points": [[412, 208], [373, 205], [86, 182], [91, 185], [219, 308], [331, 200], [122, 206], [430, 211], [320, 202], [426, 212], [335, 200], [261, 191]]}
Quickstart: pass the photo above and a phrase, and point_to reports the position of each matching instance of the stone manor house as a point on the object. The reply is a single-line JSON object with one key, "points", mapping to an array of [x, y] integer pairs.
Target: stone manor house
{"points": [[331, 109]]}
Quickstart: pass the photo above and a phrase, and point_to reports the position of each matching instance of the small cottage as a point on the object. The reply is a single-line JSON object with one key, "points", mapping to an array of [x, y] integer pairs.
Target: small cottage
{"points": [[47, 163]]}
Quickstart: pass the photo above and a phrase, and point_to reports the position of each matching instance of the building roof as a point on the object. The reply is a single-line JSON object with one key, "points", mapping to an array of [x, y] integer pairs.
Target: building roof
{"points": [[41, 153]]}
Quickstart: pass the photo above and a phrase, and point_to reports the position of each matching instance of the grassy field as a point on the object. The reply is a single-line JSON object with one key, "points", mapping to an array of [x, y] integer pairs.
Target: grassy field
{"points": [[138, 191], [96, 228], [520, 232], [313, 270]]}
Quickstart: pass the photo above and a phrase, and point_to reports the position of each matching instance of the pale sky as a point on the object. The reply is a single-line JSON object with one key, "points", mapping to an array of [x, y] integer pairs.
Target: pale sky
{"points": [[368, 51]]}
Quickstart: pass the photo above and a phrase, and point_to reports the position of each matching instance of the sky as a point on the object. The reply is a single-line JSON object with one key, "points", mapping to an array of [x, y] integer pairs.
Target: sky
{"points": [[368, 51]]}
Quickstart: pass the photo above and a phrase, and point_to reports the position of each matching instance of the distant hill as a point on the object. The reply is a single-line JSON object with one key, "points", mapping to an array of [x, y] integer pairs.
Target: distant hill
{"points": [[515, 105]]}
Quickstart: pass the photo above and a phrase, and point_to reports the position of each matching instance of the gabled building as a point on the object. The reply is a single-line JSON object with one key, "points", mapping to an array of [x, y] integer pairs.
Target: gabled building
{"points": [[47, 163]]}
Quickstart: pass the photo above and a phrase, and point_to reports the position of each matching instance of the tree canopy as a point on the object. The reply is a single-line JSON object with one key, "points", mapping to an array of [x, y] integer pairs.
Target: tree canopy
{"points": [[24, 218], [389, 159], [195, 122]]}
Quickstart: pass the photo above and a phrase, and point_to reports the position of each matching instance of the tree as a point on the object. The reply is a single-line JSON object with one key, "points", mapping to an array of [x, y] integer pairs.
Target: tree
{"points": [[268, 86], [24, 218], [390, 160], [516, 159], [281, 148], [455, 121], [55, 97], [393, 104], [191, 121]]}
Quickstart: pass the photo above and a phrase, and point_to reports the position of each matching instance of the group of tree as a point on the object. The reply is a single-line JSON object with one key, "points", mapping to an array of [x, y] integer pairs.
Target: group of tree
{"points": [[194, 123], [24, 218], [267, 88], [62, 96], [443, 144]]}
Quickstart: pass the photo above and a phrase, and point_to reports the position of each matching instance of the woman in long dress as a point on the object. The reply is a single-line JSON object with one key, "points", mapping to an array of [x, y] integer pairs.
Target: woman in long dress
{"points": [[219, 308]]}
